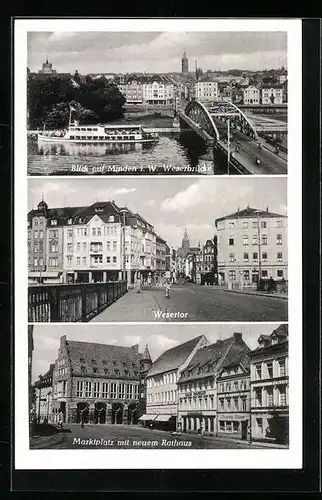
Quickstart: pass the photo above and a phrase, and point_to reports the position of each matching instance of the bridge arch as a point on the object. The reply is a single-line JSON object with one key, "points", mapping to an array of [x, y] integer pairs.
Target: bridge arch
{"points": [[251, 125], [199, 114]]}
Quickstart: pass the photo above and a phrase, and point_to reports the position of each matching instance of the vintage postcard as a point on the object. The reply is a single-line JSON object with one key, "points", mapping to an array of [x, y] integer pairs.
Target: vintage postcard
{"points": [[158, 300]]}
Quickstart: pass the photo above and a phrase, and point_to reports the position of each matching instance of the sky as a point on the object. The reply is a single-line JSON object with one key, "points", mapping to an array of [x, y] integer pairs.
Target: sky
{"points": [[169, 204], [159, 338], [160, 52]]}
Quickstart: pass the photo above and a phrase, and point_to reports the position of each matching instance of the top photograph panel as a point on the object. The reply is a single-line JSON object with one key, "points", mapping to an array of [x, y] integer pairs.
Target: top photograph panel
{"points": [[157, 103]]}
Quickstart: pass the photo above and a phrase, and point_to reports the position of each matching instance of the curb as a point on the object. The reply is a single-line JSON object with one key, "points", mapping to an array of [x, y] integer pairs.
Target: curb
{"points": [[52, 440], [257, 294]]}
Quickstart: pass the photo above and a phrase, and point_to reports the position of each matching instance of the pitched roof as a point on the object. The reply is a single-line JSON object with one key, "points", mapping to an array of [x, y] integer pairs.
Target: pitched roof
{"points": [[241, 357], [173, 358], [250, 213], [104, 357], [282, 341], [209, 358]]}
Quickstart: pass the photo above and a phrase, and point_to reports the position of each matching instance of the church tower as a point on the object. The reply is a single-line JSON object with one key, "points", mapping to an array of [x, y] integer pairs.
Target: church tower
{"points": [[185, 241], [184, 64]]}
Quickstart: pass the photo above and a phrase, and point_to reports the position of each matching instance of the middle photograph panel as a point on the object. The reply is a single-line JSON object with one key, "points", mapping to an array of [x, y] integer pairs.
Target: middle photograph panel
{"points": [[150, 249]]}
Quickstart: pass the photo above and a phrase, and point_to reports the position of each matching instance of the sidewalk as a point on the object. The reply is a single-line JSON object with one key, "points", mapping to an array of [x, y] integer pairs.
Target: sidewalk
{"points": [[40, 442], [255, 292], [122, 309]]}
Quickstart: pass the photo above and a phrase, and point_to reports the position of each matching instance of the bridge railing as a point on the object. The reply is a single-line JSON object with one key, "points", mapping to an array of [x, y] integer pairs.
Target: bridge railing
{"points": [[72, 302]]}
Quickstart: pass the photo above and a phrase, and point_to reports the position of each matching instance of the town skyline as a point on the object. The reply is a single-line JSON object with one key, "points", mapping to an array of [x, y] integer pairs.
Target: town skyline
{"points": [[156, 337], [170, 207], [159, 52]]}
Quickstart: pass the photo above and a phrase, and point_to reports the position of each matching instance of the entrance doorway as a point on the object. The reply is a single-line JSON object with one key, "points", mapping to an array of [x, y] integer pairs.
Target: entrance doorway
{"points": [[133, 414], [244, 425]]}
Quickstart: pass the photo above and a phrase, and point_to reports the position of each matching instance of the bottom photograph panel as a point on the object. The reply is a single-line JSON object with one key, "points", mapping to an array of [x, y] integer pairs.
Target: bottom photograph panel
{"points": [[155, 386]]}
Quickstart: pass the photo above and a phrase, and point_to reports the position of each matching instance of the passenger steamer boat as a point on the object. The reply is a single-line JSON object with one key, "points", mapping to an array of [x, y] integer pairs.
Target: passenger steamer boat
{"points": [[99, 134]]}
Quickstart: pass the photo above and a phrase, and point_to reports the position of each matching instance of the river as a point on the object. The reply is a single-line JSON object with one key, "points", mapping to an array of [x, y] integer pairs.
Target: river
{"points": [[179, 154]]}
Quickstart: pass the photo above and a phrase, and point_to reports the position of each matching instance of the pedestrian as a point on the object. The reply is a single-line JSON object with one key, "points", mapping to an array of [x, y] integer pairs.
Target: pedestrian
{"points": [[202, 428], [167, 289], [82, 422]]}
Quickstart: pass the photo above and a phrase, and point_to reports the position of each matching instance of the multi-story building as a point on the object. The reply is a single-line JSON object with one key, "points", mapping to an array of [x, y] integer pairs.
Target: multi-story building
{"points": [[197, 385], [30, 351], [272, 95], [132, 89], [206, 90], [43, 393], [98, 383], [233, 397], [47, 68], [251, 243], [184, 64], [185, 256], [205, 259], [251, 95], [161, 255], [158, 90], [269, 385], [162, 396], [100, 242]]}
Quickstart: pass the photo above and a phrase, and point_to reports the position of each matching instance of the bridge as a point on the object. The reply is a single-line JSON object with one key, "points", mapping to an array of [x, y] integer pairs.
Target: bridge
{"points": [[225, 126]]}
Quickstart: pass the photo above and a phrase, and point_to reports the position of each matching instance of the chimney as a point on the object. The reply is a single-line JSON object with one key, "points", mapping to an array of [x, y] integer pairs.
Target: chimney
{"points": [[238, 336], [267, 209], [63, 340]]}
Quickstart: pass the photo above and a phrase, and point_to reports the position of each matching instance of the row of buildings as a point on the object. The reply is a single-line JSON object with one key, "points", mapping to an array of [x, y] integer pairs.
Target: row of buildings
{"points": [[143, 89], [104, 242], [224, 388], [248, 245], [100, 242]]}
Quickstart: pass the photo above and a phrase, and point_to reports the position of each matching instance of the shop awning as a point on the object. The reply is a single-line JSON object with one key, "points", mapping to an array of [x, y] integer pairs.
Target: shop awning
{"points": [[43, 274], [163, 418], [147, 417]]}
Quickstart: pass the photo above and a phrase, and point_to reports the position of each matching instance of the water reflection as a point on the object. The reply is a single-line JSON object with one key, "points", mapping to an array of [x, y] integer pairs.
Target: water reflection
{"points": [[186, 151]]}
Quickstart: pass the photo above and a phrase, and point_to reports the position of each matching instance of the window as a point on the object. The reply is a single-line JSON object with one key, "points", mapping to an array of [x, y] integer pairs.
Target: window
{"points": [[243, 403], [259, 424], [104, 390], [255, 239], [78, 246], [94, 231], [35, 222], [69, 233], [245, 239], [245, 257], [264, 224], [108, 245], [281, 368], [246, 275], [35, 261], [69, 247], [279, 239], [36, 235], [231, 257], [122, 391], [96, 390], [269, 396], [79, 389], [113, 391], [231, 224], [264, 239], [108, 259], [84, 261], [280, 273], [279, 223], [231, 241], [99, 232], [53, 262], [279, 256], [88, 389], [282, 396], [269, 369], [53, 248], [258, 397], [258, 371], [41, 234], [114, 245], [255, 223], [232, 275], [114, 260], [264, 256], [53, 222], [69, 260], [255, 256]]}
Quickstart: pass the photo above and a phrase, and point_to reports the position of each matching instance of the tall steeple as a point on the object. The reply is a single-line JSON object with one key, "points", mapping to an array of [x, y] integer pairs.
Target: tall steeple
{"points": [[184, 64], [185, 241]]}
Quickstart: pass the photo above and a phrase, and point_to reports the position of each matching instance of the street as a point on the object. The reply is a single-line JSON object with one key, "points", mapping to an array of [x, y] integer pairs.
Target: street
{"points": [[136, 437], [190, 302]]}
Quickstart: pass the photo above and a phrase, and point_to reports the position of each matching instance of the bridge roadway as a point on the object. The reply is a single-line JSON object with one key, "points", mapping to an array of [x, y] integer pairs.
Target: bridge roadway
{"points": [[270, 162]]}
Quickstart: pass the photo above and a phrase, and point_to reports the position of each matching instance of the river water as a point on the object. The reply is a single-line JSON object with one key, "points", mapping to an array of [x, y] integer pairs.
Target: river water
{"points": [[180, 154]]}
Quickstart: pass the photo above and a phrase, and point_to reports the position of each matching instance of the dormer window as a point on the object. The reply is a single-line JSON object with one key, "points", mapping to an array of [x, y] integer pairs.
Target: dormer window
{"points": [[69, 221], [111, 218], [80, 220], [99, 209], [53, 222], [274, 339]]}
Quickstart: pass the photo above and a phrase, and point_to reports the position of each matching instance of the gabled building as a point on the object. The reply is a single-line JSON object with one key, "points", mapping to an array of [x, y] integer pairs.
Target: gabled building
{"points": [[162, 390], [269, 385], [197, 385], [100, 242], [98, 383], [251, 95], [272, 94], [233, 397]]}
